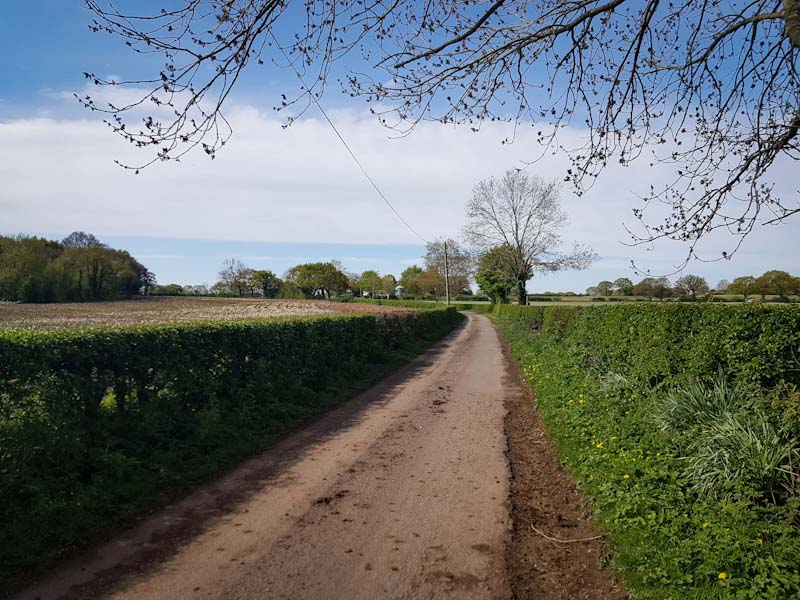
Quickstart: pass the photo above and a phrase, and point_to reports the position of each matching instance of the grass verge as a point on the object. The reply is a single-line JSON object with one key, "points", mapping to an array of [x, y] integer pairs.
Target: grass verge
{"points": [[668, 541]]}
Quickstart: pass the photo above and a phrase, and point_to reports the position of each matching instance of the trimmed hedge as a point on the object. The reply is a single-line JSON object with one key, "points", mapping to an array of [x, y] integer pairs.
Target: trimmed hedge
{"points": [[94, 423], [479, 307], [652, 342], [600, 375]]}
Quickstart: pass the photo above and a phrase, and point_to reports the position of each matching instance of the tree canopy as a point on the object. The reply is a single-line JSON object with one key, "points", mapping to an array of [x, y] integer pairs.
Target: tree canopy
{"points": [[524, 215], [494, 275], [710, 88], [318, 279], [80, 268]]}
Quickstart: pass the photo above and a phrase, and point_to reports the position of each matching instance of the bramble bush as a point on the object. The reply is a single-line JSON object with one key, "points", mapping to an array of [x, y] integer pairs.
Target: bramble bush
{"points": [[96, 423], [694, 505]]}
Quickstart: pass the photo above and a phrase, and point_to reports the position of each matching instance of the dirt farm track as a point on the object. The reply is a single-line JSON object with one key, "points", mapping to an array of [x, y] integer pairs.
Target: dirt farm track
{"points": [[166, 310], [424, 486]]}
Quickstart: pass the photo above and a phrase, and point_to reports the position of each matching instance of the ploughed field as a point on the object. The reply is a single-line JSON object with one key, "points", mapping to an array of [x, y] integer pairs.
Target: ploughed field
{"points": [[168, 310]]}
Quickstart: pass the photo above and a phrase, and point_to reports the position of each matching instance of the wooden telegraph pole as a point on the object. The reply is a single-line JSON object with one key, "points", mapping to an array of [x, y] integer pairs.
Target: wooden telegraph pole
{"points": [[446, 276]]}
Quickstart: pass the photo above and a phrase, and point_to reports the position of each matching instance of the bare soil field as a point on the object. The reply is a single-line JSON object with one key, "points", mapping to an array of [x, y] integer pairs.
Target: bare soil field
{"points": [[168, 310]]}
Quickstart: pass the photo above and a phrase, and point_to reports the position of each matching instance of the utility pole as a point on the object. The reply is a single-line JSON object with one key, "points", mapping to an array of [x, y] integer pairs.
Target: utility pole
{"points": [[446, 276]]}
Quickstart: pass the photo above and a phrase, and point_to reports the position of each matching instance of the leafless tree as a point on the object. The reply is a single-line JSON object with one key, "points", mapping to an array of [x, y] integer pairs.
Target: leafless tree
{"points": [[524, 214], [710, 87], [236, 277]]}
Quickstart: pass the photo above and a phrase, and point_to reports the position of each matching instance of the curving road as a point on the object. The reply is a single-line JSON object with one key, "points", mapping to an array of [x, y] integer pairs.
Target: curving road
{"points": [[401, 492]]}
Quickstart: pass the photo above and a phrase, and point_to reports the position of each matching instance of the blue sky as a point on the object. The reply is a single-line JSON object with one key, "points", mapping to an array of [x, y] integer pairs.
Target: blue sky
{"points": [[275, 197]]}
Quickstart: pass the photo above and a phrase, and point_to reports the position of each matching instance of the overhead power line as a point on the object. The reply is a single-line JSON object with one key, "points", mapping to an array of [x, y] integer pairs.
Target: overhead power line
{"points": [[344, 142]]}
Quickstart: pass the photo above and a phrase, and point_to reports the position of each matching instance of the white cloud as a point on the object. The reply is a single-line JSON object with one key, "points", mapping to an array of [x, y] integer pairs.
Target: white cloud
{"points": [[271, 184]]}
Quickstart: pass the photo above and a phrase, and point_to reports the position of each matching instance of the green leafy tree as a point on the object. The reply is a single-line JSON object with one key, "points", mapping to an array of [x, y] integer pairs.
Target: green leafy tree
{"points": [[352, 282], [777, 283], [319, 279], [81, 239], [691, 285], [268, 283], [170, 289], [623, 286], [653, 287], [40, 270], [409, 279], [370, 282], [742, 285], [495, 276], [388, 284], [431, 283], [604, 288]]}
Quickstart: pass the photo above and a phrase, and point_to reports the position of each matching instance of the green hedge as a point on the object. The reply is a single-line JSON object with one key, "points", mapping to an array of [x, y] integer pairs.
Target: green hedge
{"points": [[96, 422], [600, 374], [479, 307], [652, 342]]}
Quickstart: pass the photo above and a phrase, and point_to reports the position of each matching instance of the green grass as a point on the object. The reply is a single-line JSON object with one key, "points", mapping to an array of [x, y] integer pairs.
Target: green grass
{"points": [[666, 539]]}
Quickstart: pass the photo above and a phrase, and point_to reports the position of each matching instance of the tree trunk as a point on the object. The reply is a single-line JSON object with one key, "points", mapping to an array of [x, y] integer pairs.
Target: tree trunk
{"points": [[791, 15], [522, 293]]}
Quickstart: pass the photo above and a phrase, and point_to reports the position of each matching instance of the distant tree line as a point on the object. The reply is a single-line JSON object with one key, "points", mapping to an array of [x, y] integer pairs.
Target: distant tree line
{"points": [[771, 283], [78, 268], [330, 279]]}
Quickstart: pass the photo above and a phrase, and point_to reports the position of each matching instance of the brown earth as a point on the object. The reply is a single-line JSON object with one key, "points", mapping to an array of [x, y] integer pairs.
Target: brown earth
{"points": [[544, 497], [403, 492], [168, 309]]}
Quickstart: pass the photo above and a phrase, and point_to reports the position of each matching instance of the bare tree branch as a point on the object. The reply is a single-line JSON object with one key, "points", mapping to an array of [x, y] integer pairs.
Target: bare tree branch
{"points": [[710, 88]]}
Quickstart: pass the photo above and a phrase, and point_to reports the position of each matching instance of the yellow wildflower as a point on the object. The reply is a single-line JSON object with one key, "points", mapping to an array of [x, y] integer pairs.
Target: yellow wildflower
{"points": [[705, 525], [599, 444], [626, 476], [723, 575]]}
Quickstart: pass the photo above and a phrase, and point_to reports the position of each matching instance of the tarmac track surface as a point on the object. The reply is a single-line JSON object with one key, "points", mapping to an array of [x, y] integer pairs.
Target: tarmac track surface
{"points": [[401, 492]]}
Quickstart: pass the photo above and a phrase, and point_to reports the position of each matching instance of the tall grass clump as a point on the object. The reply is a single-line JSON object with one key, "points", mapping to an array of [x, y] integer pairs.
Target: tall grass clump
{"points": [[695, 404], [742, 455]]}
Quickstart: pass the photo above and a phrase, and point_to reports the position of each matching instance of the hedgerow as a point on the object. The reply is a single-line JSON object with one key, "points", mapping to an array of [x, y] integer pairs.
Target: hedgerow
{"points": [[479, 307], [677, 527], [95, 423]]}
